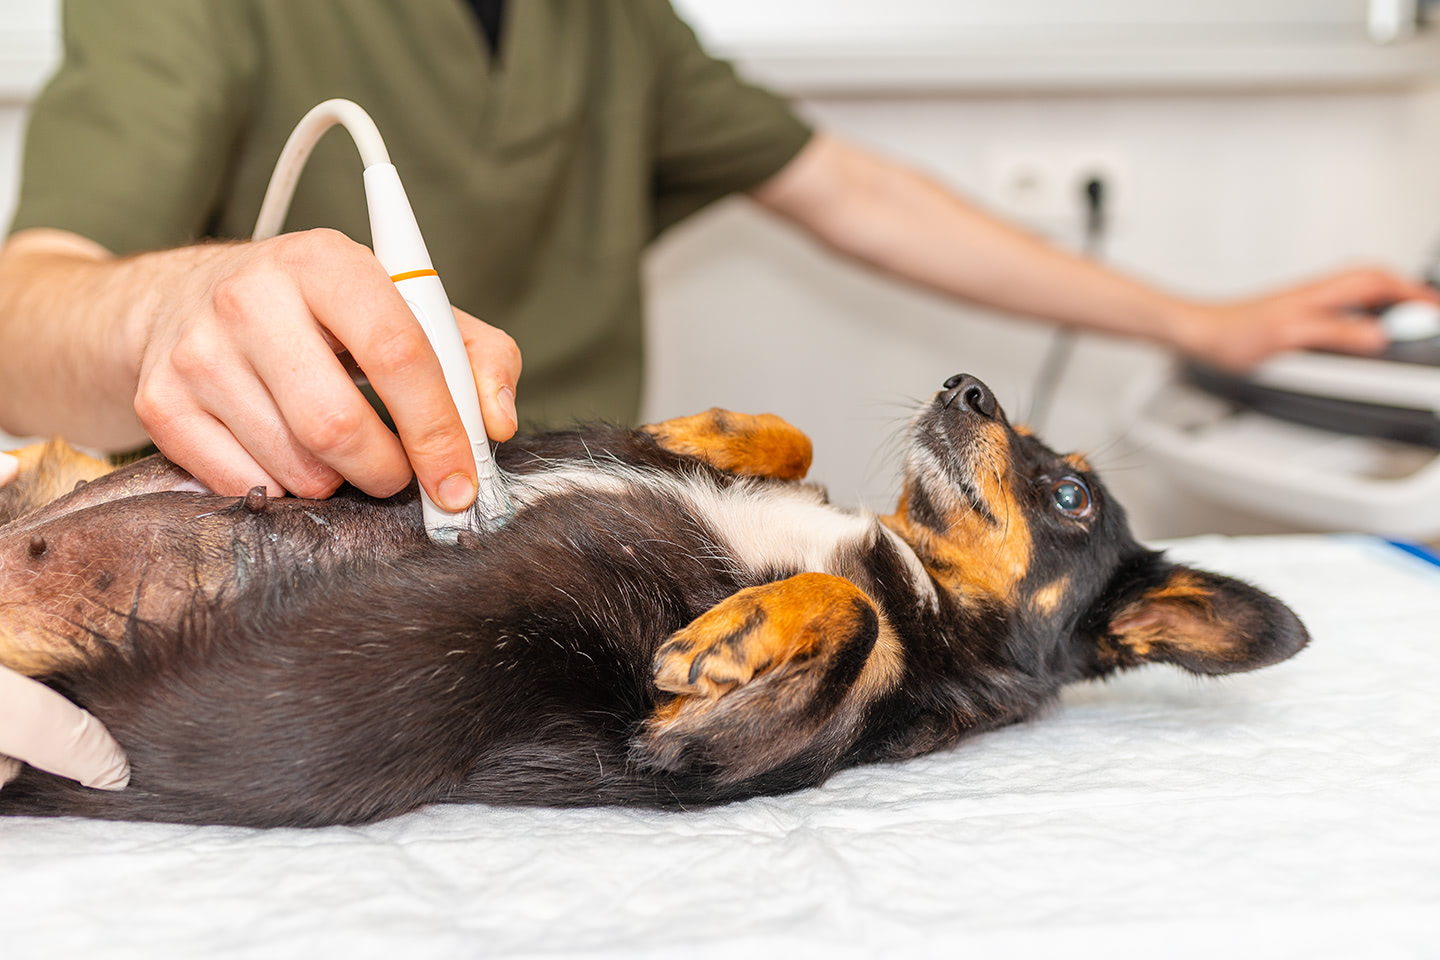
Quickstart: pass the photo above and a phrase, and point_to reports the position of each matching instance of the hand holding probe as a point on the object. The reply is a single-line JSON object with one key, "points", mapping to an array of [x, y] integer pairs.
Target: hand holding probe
{"points": [[398, 245]]}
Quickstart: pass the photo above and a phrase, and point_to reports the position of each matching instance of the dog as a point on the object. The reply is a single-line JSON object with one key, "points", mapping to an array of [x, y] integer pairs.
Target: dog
{"points": [[671, 618]]}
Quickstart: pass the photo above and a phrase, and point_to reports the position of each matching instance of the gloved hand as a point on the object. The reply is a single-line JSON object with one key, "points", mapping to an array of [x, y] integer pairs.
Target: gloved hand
{"points": [[42, 728]]}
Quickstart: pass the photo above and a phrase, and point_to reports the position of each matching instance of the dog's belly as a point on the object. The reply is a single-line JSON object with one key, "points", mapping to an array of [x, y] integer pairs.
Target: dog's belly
{"points": [[138, 544]]}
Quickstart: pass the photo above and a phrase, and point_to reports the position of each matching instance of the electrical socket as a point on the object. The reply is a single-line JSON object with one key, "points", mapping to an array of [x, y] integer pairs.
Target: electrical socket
{"points": [[1042, 186]]}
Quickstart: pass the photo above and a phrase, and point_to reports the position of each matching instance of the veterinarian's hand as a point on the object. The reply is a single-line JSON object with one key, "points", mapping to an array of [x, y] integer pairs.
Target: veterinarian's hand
{"points": [[9, 468], [243, 379], [43, 729], [1320, 315]]}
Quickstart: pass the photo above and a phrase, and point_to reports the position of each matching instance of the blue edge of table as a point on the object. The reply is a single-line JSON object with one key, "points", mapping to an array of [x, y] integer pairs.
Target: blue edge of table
{"points": [[1428, 554]]}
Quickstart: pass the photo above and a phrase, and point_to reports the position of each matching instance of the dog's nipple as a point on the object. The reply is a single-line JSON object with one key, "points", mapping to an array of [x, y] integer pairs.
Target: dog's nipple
{"points": [[255, 500], [37, 545]]}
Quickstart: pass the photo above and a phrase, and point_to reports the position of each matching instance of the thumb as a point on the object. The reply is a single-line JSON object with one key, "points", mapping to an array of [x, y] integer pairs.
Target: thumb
{"points": [[9, 468]]}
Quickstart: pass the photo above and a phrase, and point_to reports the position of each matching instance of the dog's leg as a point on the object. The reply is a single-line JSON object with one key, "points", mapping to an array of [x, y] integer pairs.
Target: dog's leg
{"points": [[47, 470], [754, 445], [762, 674]]}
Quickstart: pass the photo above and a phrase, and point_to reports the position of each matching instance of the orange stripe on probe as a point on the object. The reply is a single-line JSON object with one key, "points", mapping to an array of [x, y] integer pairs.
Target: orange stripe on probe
{"points": [[412, 274]]}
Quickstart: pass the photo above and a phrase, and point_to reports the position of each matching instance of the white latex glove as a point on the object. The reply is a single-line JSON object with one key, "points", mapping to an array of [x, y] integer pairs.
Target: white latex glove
{"points": [[43, 729]]}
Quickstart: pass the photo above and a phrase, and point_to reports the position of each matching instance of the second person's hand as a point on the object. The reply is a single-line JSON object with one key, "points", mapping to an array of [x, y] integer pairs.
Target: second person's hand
{"points": [[1325, 314]]}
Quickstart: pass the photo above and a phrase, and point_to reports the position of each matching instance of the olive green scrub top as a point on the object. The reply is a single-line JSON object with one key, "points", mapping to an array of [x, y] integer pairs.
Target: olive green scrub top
{"points": [[538, 176]]}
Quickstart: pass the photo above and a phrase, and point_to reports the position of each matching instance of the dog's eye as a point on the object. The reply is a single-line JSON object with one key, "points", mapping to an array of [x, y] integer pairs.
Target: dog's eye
{"points": [[1071, 496]]}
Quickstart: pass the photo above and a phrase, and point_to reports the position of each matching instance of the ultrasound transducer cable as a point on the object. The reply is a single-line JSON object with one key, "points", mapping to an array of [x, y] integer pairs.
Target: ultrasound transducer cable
{"points": [[1062, 344], [398, 245]]}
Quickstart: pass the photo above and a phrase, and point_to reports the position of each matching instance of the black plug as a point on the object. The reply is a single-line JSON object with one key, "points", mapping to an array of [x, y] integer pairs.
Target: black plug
{"points": [[1095, 214]]}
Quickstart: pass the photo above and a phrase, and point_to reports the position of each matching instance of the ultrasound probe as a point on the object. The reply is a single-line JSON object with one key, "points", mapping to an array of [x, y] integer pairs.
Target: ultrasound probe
{"points": [[401, 250]]}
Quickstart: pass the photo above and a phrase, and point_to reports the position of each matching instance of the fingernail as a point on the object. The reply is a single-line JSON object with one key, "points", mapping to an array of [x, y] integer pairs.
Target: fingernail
{"points": [[10, 466], [506, 396], [457, 492]]}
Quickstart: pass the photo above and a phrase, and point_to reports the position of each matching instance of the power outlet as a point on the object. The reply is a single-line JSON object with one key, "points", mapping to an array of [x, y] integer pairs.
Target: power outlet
{"points": [[1042, 186]]}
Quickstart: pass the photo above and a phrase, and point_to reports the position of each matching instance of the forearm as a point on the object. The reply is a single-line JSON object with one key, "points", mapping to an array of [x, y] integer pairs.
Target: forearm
{"points": [[895, 219], [71, 331]]}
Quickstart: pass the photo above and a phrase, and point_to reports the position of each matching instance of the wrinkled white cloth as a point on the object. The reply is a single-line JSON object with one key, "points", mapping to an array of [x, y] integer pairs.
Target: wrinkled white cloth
{"points": [[1290, 812]]}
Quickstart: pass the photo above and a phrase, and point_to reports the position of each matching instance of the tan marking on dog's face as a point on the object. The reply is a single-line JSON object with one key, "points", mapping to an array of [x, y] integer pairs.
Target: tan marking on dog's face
{"points": [[1022, 429], [1047, 599], [1078, 461], [753, 445], [973, 554]]}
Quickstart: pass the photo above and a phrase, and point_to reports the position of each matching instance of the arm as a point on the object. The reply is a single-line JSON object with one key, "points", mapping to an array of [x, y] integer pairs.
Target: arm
{"points": [[885, 214], [226, 356]]}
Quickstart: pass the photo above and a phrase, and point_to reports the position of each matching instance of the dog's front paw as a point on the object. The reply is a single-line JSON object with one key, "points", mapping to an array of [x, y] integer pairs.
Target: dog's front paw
{"points": [[715, 654], [760, 673]]}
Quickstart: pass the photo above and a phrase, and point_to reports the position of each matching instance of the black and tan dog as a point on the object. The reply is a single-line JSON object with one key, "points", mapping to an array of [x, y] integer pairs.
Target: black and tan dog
{"points": [[671, 618]]}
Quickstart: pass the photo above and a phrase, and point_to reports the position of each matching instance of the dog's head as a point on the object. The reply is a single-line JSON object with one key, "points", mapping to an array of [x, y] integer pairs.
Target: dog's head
{"points": [[1007, 526]]}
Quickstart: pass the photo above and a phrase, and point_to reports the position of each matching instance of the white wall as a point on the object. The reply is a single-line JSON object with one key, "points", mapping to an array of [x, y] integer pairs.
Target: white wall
{"points": [[1226, 194]]}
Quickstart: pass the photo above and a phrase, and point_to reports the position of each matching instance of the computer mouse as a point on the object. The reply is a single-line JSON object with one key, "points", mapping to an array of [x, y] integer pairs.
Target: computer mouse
{"points": [[1411, 320]]}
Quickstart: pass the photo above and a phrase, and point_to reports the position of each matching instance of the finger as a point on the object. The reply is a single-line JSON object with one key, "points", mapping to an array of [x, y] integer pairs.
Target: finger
{"points": [[9, 468], [495, 360], [208, 449], [323, 429], [45, 730], [1345, 334], [369, 316], [203, 370], [9, 769], [1369, 289]]}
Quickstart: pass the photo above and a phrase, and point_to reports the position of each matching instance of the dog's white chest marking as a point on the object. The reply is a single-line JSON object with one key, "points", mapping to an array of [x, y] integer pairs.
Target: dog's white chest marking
{"points": [[769, 527], [763, 526]]}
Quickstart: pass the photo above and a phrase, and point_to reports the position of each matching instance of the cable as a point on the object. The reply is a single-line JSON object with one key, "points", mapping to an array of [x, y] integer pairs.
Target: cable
{"points": [[297, 150], [1062, 344]]}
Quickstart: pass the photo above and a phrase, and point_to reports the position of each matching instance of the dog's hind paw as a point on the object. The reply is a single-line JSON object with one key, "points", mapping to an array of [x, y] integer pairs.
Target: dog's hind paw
{"points": [[752, 445], [43, 472]]}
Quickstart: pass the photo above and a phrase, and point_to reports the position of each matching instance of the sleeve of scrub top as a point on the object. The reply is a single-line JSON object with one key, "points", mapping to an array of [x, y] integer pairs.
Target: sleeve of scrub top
{"points": [[129, 143], [715, 134]]}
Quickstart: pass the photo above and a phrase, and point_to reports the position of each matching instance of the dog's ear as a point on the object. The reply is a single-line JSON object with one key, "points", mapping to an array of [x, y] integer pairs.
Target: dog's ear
{"points": [[1206, 623]]}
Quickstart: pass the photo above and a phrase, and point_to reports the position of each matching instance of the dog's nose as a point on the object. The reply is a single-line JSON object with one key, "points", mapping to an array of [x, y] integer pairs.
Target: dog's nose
{"points": [[971, 392]]}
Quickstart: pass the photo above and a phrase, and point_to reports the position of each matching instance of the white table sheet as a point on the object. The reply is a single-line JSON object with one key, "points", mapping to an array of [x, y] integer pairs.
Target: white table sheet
{"points": [[1290, 812]]}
